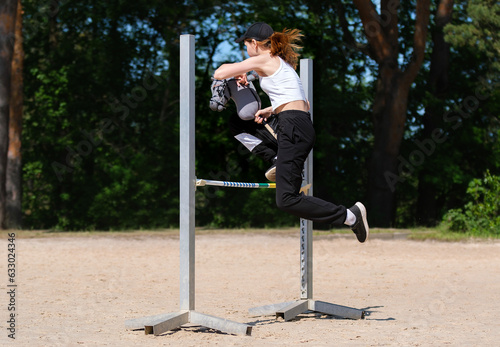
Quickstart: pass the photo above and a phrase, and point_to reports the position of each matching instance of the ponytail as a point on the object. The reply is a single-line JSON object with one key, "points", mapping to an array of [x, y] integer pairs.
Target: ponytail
{"points": [[285, 45]]}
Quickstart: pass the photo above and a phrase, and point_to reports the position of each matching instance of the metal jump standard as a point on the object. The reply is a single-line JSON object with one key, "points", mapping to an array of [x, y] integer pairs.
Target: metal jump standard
{"points": [[291, 309], [162, 323]]}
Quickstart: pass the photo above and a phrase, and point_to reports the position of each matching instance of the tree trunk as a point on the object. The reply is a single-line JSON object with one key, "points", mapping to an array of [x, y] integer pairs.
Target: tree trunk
{"points": [[390, 105], [14, 167], [389, 115], [7, 24], [427, 209]]}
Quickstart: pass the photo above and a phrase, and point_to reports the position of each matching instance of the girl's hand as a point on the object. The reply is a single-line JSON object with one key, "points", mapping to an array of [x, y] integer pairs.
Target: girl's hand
{"points": [[260, 115], [241, 79]]}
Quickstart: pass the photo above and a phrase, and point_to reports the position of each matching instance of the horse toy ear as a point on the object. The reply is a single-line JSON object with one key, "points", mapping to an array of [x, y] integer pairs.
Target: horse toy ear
{"points": [[220, 95]]}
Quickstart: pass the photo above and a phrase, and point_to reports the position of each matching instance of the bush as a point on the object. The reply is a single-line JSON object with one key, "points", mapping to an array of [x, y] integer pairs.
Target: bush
{"points": [[481, 215]]}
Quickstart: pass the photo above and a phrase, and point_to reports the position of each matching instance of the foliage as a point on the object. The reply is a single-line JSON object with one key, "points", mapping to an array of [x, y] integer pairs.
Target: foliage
{"points": [[481, 214], [101, 136], [465, 112], [482, 31]]}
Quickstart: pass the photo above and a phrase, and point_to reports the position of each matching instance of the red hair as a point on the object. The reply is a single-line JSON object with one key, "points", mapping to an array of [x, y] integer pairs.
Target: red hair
{"points": [[285, 45]]}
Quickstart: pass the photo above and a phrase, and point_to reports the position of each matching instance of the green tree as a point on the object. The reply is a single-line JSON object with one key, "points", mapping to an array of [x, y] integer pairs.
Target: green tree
{"points": [[94, 139], [391, 97], [481, 32], [101, 139], [436, 89], [481, 213], [459, 97]]}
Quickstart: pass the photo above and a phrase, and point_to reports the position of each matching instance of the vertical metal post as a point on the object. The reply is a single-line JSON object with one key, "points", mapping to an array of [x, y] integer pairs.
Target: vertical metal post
{"points": [[159, 324], [306, 226], [187, 174]]}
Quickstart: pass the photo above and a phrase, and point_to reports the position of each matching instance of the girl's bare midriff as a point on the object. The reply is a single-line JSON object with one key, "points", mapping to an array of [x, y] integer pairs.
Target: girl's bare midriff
{"points": [[299, 105]]}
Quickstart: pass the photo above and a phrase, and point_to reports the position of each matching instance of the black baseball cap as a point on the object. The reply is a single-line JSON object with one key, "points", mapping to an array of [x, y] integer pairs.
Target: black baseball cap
{"points": [[258, 31]]}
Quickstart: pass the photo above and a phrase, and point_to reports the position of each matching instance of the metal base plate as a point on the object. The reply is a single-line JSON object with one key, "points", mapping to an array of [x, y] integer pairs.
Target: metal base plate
{"points": [[290, 310], [162, 323]]}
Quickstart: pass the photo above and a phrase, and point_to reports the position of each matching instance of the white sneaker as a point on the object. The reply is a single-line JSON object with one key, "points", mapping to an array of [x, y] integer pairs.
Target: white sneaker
{"points": [[360, 227]]}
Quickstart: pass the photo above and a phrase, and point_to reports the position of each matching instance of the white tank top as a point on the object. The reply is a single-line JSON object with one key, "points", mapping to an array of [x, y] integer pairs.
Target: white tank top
{"points": [[283, 85]]}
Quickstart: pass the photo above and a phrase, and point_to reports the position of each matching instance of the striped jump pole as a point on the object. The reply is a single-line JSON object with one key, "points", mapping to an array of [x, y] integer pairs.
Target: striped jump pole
{"points": [[202, 182]]}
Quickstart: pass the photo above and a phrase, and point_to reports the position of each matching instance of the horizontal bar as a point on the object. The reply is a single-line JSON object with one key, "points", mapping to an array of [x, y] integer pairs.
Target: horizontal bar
{"points": [[202, 182]]}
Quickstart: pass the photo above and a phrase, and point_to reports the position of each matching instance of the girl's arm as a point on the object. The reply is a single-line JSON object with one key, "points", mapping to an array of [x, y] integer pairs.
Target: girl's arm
{"points": [[263, 114], [237, 69]]}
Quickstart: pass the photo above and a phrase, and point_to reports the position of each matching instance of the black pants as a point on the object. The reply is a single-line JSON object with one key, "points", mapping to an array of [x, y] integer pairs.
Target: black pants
{"points": [[268, 148], [296, 138]]}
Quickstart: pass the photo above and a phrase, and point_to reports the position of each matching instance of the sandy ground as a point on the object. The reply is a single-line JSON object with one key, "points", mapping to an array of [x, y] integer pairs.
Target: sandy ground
{"points": [[78, 291]]}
